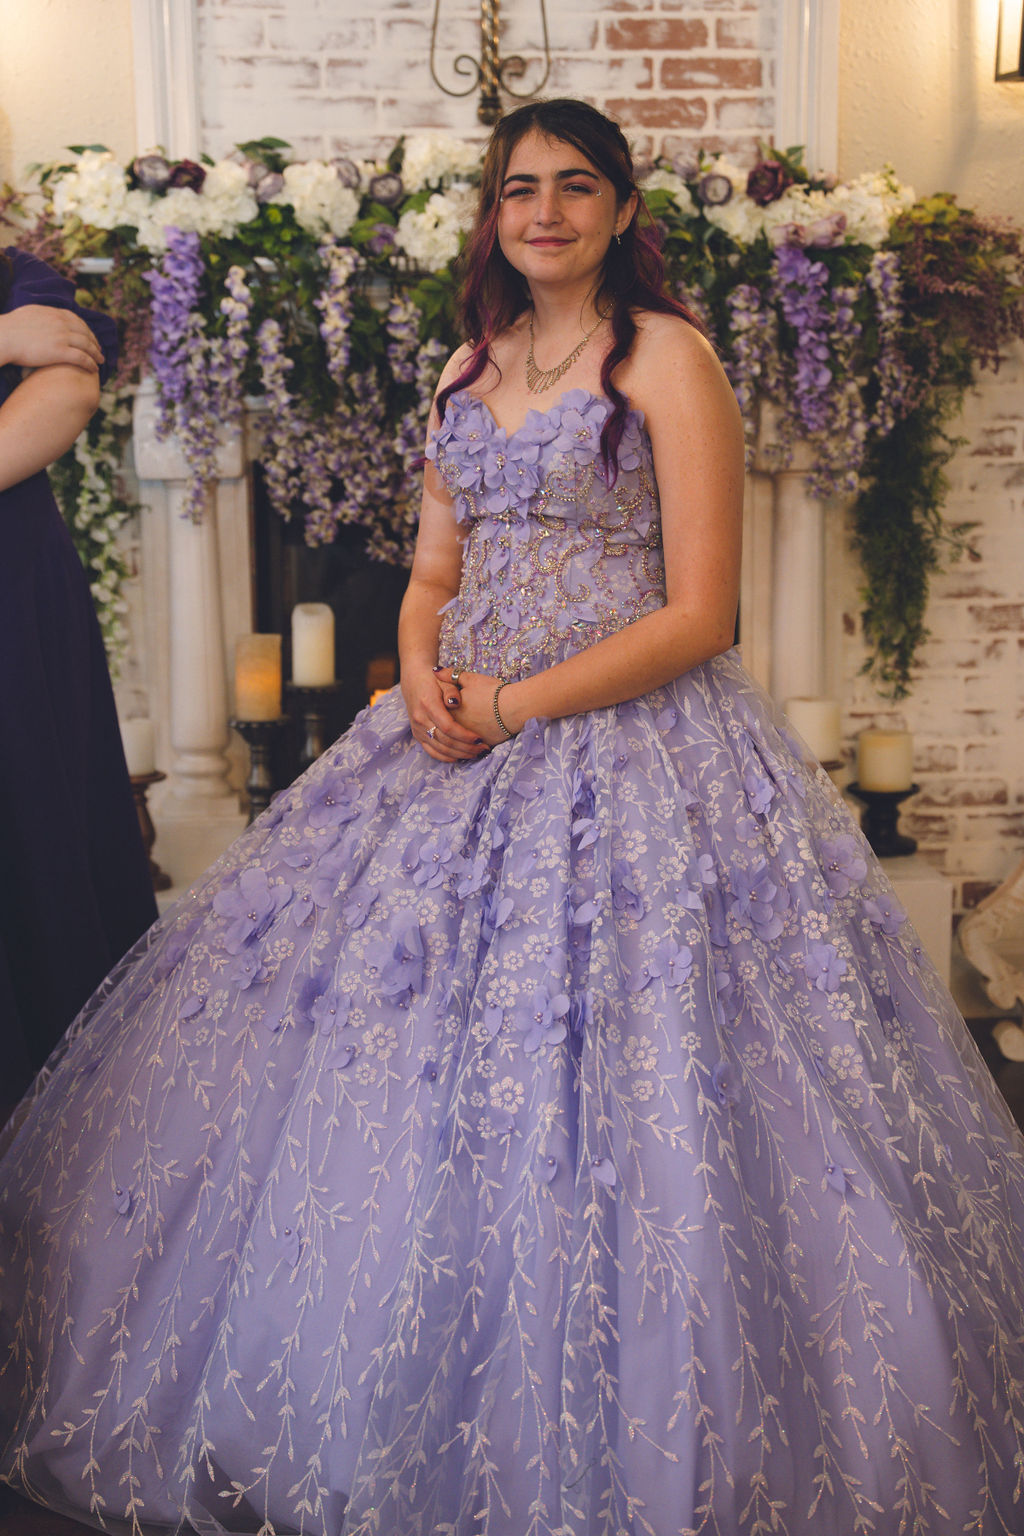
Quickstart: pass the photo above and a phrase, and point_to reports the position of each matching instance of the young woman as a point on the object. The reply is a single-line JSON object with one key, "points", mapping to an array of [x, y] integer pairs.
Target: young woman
{"points": [[543, 1121], [76, 891]]}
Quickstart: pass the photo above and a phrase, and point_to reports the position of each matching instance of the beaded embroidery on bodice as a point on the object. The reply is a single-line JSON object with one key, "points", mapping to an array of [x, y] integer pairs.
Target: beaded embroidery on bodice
{"points": [[555, 558]]}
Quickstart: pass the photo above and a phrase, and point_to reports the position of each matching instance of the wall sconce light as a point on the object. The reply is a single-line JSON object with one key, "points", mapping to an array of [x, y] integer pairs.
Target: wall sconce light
{"points": [[1010, 41], [490, 72]]}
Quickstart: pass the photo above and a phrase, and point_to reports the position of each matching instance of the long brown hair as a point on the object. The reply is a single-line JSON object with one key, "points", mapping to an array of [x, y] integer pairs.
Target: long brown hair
{"points": [[6, 277], [494, 294]]}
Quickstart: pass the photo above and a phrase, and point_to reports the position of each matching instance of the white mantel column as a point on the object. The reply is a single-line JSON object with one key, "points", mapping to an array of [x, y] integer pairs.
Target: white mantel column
{"points": [[186, 616], [798, 619]]}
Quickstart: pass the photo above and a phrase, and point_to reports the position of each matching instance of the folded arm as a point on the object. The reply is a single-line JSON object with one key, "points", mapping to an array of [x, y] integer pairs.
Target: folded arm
{"points": [[41, 418]]}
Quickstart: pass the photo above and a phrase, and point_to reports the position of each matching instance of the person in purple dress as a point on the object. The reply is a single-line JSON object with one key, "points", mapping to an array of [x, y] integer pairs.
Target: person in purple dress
{"points": [[75, 892], [543, 1121]]}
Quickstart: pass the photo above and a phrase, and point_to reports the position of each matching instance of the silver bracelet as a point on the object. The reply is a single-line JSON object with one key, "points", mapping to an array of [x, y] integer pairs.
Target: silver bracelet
{"points": [[508, 734]]}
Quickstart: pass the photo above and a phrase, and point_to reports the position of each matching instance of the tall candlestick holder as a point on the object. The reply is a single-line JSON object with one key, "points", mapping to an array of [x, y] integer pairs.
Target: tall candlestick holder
{"points": [[260, 736], [311, 706], [141, 785], [882, 809]]}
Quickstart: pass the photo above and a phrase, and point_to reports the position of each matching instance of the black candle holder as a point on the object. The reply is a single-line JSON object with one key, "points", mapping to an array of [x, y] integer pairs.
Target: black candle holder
{"points": [[312, 705], [260, 737], [882, 809], [141, 783]]}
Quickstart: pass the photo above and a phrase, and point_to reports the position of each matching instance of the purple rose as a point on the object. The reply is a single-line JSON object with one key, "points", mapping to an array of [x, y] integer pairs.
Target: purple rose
{"points": [[714, 189], [387, 189], [268, 186], [151, 172], [347, 172], [187, 174], [826, 232], [767, 182]]}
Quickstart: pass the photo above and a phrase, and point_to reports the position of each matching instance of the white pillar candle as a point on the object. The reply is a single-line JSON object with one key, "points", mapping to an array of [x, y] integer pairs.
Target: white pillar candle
{"points": [[312, 645], [139, 746], [258, 677], [817, 721], [885, 760]]}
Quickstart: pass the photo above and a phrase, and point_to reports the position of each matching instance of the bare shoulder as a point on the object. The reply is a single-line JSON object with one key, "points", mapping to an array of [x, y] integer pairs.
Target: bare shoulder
{"points": [[455, 365], [671, 363]]}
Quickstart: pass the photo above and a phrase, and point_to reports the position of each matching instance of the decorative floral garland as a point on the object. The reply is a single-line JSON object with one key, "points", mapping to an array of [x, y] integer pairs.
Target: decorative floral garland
{"points": [[328, 288]]}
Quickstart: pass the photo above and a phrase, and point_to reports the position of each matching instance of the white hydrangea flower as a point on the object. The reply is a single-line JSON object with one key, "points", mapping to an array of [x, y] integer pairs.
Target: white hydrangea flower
{"points": [[95, 191], [431, 238], [228, 197], [870, 204], [667, 181], [437, 159], [322, 205]]}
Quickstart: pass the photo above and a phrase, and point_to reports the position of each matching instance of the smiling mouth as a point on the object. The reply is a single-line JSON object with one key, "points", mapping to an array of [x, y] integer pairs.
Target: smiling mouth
{"points": [[548, 240]]}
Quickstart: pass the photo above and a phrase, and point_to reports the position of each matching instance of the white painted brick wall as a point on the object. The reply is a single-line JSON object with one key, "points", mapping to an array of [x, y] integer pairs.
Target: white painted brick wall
{"points": [[332, 78], [967, 707]]}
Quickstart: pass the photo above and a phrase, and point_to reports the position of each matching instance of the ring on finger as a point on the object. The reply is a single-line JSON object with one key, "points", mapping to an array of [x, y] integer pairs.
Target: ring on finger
{"points": [[455, 677], [432, 731]]}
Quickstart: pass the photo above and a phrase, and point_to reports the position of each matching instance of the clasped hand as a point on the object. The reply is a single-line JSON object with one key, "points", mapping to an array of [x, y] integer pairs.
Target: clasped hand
{"points": [[39, 336], [461, 715]]}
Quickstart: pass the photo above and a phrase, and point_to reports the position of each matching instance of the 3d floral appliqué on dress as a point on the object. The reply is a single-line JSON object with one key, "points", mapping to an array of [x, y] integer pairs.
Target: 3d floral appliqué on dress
{"points": [[570, 1143]]}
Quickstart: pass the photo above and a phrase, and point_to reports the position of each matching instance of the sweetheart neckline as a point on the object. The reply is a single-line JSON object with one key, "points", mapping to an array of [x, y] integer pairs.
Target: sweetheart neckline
{"points": [[466, 394]]}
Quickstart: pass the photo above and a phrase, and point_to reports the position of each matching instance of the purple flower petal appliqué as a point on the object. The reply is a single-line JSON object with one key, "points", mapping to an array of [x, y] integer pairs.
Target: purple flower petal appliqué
{"points": [[548, 1169], [340, 1055], [250, 905], [191, 1006], [723, 1081], [844, 864], [289, 1244], [356, 906], [824, 966], [835, 1176], [122, 1199], [603, 1170], [884, 913]]}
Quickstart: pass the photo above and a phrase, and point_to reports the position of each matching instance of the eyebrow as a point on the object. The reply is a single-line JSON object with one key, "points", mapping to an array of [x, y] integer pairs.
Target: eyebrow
{"points": [[559, 175]]}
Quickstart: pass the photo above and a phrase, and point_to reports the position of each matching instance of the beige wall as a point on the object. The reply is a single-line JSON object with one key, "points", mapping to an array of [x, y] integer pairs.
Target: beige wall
{"points": [[65, 78], [917, 88]]}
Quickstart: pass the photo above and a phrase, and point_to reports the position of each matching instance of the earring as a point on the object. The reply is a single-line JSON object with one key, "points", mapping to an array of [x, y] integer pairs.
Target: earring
{"points": [[618, 238]]}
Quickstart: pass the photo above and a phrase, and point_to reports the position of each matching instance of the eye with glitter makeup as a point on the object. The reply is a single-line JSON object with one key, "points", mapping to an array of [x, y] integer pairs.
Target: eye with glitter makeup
{"points": [[567, 191]]}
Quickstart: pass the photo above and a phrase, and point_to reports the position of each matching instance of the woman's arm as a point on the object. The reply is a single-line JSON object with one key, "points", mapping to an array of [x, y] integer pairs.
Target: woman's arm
{"points": [[696, 433], [434, 581], [41, 335], [41, 418]]}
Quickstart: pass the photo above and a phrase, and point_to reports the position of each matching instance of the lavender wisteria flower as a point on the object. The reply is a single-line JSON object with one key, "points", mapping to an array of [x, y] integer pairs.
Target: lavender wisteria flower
{"points": [[751, 362], [334, 303], [198, 375], [894, 381], [800, 288]]}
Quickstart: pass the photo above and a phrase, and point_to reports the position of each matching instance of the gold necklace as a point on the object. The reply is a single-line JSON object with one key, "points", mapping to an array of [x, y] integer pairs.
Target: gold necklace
{"points": [[540, 379]]}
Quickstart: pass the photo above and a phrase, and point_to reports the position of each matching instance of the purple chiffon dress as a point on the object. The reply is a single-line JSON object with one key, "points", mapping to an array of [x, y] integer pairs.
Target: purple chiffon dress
{"points": [[75, 892], [574, 1142]]}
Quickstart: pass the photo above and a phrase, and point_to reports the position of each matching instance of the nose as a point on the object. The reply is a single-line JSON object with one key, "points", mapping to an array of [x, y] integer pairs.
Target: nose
{"points": [[549, 207]]}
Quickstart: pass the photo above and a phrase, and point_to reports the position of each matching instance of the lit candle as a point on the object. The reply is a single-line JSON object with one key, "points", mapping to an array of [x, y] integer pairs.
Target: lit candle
{"points": [[139, 746], [258, 677], [885, 760], [817, 721], [377, 695], [312, 645]]}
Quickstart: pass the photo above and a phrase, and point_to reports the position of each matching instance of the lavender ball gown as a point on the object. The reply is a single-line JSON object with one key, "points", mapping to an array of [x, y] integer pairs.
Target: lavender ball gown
{"points": [[575, 1141]]}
